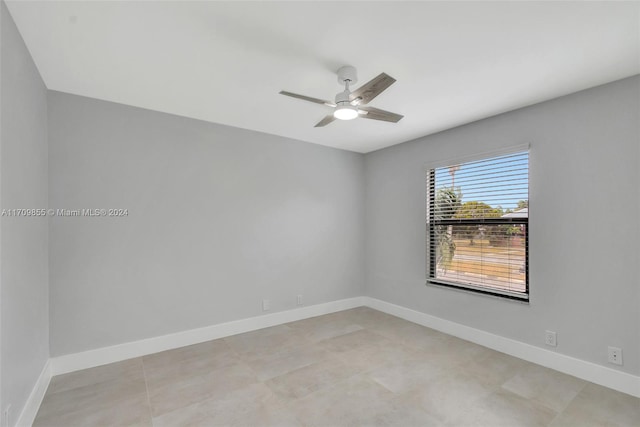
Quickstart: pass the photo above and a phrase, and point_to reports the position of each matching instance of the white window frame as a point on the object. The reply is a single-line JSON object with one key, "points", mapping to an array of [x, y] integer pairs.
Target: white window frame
{"points": [[430, 258]]}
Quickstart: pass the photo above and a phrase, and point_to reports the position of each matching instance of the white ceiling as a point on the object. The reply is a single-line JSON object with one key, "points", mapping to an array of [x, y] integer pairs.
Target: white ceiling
{"points": [[224, 62]]}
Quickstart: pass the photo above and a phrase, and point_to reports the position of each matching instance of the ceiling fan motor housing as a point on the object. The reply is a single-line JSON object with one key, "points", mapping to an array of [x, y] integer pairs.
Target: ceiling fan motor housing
{"points": [[343, 97]]}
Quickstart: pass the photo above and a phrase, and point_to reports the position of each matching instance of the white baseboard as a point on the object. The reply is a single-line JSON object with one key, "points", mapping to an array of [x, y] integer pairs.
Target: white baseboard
{"points": [[589, 371], [30, 410], [117, 353]]}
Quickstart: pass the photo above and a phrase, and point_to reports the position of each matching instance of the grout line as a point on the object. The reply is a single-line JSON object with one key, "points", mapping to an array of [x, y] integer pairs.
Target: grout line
{"points": [[146, 386], [586, 383]]}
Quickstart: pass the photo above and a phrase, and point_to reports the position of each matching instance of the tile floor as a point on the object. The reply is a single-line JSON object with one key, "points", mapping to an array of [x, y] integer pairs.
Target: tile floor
{"points": [[358, 367]]}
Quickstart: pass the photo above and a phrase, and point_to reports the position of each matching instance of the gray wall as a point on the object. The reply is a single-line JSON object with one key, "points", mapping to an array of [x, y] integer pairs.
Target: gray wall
{"points": [[24, 297], [219, 218], [584, 234]]}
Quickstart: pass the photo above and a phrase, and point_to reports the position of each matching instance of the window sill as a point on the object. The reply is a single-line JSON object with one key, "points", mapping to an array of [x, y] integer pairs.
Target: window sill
{"points": [[496, 293]]}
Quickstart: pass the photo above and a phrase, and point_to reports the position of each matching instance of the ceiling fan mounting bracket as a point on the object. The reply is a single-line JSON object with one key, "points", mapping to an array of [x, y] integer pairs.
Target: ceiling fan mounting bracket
{"points": [[347, 74]]}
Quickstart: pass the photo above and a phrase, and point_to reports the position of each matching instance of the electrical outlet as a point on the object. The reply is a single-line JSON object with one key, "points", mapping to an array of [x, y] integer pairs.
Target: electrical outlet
{"points": [[266, 305], [550, 338], [615, 355], [299, 300]]}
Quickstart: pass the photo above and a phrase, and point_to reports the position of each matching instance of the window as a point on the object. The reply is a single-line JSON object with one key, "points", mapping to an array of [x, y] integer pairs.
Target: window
{"points": [[477, 223]]}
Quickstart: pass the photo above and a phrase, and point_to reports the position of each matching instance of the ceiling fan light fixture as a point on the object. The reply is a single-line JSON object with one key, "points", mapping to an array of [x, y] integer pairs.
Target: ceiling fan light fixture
{"points": [[345, 111]]}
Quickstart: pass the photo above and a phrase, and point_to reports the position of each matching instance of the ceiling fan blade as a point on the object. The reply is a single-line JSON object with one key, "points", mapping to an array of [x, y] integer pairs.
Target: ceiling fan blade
{"points": [[307, 98], [365, 93], [328, 119], [377, 114]]}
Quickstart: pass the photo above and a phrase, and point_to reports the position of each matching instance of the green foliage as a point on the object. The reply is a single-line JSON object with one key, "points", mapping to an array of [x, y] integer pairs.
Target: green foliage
{"points": [[513, 230], [445, 247], [523, 204], [447, 203], [473, 210]]}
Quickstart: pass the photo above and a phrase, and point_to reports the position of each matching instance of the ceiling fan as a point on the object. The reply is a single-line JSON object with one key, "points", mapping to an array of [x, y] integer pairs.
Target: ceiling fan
{"points": [[349, 105]]}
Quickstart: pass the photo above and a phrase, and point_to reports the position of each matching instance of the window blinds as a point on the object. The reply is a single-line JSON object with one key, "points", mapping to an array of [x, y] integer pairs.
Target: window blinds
{"points": [[477, 217]]}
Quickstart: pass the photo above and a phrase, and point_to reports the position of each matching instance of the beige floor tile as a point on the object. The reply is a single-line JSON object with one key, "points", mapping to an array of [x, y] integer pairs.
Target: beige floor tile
{"points": [[357, 401], [184, 391], [273, 364], [267, 416], [120, 400], [344, 316], [502, 408], [450, 352], [545, 386], [425, 341], [357, 367], [210, 350], [367, 358], [102, 393], [220, 410], [131, 369], [406, 375], [132, 410], [309, 379], [317, 329], [447, 394], [494, 367], [354, 340], [405, 332], [403, 412], [600, 406], [368, 317], [176, 366], [267, 340]]}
